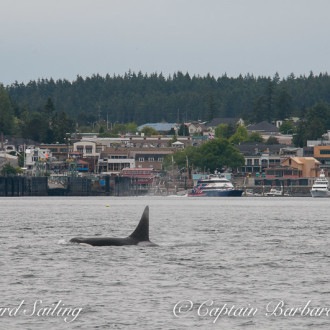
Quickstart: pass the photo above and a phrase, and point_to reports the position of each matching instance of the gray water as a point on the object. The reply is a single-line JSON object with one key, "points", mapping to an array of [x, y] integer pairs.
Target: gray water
{"points": [[214, 255]]}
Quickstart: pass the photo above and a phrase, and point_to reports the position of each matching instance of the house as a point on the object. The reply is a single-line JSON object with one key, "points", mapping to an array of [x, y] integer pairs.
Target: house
{"points": [[9, 143], [114, 159], [292, 171], [258, 156], [196, 127], [210, 126], [308, 166], [58, 150], [150, 158], [264, 128], [37, 160]]}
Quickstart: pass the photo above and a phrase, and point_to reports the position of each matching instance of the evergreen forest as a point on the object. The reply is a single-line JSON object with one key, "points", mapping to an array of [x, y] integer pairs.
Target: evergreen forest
{"points": [[141, 98], [153, 98]]}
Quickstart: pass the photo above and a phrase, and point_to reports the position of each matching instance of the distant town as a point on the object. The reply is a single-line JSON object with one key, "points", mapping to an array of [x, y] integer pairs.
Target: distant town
{"points": [[153, 162]]}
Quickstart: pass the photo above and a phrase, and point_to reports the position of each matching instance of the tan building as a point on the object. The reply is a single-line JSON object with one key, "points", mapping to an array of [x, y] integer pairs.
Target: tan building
{"points": [[322, 154], [309, 166], [88, 148]]}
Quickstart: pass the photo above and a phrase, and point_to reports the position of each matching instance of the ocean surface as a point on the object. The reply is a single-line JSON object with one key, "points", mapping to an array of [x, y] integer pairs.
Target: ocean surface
{"points": [[222, 263]]}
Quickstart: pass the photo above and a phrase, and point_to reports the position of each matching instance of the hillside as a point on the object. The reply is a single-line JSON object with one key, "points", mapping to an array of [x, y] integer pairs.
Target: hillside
{"points": [[144, 98]]}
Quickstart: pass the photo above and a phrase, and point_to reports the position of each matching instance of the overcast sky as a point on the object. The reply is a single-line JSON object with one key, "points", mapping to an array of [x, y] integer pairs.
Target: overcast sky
{"points": [[66, 38]]}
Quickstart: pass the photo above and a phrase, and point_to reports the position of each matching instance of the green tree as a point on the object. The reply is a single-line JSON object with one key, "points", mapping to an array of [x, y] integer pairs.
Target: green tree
{"points": [[241, 135], [217, 154], [284, 105], [255, 137], [8, 170], [211, 107], [131, 128], [222, 131], [183, 130], [35, 127], [299, 139], [270, 90], [148, 131], [315, 129], [225, 131], [63, 124], [287, 127], [21, 159], [171, 131], [259, 109], [212, 155], [119, 129], [173, 140], [6, 112], [272, 140], [320, 111], [49, 110]]}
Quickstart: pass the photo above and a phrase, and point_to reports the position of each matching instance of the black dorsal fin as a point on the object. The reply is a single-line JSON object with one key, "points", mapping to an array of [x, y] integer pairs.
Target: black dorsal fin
{"points": [[141, 232]]}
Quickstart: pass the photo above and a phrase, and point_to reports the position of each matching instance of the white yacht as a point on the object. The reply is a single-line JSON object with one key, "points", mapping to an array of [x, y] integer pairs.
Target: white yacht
{"points": [[321, 186], [215, 185]]}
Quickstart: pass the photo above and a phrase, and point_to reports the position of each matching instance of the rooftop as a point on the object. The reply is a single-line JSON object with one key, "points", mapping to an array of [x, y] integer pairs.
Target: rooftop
{"points": [[162, 127]]}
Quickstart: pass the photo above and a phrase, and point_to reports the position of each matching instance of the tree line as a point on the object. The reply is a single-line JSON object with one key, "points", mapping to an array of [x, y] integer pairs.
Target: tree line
{"points": [[142, 98], [43, 110]]}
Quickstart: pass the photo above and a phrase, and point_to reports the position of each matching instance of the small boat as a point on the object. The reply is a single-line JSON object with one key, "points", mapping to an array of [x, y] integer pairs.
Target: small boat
{"points": [[274, 192], [321, 186], [215, 185]]}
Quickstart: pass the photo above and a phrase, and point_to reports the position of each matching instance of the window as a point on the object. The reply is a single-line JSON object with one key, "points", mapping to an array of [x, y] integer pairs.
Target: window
{"points": [[325, 152], [151, 159], [160, 159], [249, 161], [141, 159], [256, 162], [89, 150], [80, 149]]}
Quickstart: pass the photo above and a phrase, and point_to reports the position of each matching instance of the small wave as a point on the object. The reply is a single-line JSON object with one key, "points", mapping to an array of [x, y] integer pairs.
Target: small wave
{"points": [[63, 242], [310, 253]]}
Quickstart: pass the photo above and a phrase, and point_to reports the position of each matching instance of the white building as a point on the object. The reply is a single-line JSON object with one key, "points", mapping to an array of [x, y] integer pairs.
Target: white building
{"points": [[115, 165], [88, 148], [36, 159]]}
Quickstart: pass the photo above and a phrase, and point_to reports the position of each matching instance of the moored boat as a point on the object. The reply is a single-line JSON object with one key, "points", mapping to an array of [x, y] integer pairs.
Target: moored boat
{"points": [[321, 186], [274, 192], [215, 185]]}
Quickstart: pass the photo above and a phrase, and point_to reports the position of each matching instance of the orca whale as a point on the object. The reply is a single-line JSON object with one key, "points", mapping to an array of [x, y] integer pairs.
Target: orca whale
{"points": [[140, 236]]}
